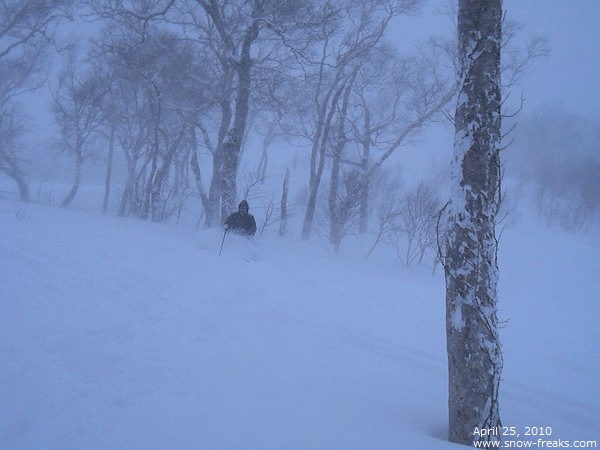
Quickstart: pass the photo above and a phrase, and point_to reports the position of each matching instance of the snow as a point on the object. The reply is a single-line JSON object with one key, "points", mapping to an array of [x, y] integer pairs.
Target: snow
{"points": [[122, 334]]}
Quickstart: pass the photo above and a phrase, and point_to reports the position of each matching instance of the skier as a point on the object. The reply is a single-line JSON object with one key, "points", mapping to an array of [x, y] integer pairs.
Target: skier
{"points": [[241, 222]]}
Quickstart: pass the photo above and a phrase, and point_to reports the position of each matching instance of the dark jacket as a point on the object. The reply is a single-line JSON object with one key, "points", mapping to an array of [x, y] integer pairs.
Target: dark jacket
{"points": [[241, 223]]}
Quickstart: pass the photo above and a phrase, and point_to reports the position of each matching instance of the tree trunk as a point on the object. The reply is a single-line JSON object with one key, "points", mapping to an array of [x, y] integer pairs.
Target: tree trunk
{"points": [[335, 224], [109, 166], [128, 191], [363, 217], [159, 197], [474, 353], [284, 211], [311, 205], [229, 178], [335, 213], [23, 186], [77, 180], [320, 142], [147, 198], [215, 190], [226, 157], [195, 164], [10, 166]]}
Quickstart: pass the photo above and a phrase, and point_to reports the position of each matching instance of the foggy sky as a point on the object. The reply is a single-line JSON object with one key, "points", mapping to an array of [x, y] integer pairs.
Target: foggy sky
{"points": [[569, 76]]}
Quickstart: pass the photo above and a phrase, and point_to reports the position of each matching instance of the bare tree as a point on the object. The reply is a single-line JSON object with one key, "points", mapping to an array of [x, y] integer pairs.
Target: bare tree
{"points": [[78, 112], [26, 30], [388, 211], [339, 209], [232, 35], [407, 217], [412, 226], [236, 34], [283, 208], [347, 207], [10, 161], [152, 108], [474, 353], [396, 98], [348, 32]]}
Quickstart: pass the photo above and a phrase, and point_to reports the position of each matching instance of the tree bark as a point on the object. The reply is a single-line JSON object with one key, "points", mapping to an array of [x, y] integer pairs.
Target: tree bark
{"points": [[109, 167], [284, 209], [363, 219], [76, 181], [195, 164], [474, 353]]}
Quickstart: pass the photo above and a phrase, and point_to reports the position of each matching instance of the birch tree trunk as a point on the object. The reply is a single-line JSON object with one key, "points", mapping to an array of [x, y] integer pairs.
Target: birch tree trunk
{"points": [[335, 214], [234, 140], [78, 173], [317, 164], [10, 166], [10, 163], [283, 205], [236, 63], [109, 169], [474, 353], [363, 218]]}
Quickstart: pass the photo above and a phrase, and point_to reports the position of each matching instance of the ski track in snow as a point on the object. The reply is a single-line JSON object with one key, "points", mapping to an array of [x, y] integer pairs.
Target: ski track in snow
{"points": [[121, 334]]}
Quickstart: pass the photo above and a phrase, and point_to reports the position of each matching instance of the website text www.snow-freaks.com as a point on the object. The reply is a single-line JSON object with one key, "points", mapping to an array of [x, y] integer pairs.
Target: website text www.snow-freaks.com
{"points": [[534, 437], [539, 443]]}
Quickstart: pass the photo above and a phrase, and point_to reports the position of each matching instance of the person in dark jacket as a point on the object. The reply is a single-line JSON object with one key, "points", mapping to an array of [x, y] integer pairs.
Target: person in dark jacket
{"points": [[241, 222]]}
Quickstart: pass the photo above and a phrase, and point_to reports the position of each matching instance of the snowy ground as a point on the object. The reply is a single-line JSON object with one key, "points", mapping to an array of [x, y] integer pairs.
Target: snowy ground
{"points": [[121, 334]]}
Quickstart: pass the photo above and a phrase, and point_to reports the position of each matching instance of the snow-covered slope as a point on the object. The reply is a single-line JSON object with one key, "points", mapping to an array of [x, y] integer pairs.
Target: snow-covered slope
{"points": [[121, 334]]}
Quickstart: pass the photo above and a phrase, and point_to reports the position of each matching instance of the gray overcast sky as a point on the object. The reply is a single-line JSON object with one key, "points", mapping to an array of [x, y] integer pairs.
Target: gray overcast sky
{"points": [[570, 75]]}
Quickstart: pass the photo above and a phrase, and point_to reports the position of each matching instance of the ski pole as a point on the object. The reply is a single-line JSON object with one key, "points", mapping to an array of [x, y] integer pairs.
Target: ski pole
{"points": [[223, 241]]}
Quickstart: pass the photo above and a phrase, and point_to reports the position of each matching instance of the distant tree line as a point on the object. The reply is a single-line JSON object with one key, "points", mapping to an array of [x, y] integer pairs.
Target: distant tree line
{"points": [[555, 157]]}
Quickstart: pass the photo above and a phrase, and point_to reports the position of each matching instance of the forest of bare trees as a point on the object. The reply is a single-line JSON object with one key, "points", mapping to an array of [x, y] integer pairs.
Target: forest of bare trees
{"points": [[163, 96], [170, 91]]}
